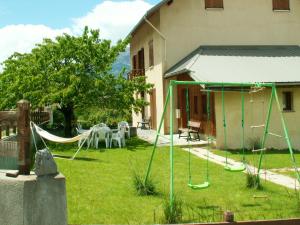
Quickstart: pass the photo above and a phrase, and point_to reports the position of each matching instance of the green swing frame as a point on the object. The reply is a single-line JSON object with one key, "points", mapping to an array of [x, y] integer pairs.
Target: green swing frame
{"points": [[170, 102]]}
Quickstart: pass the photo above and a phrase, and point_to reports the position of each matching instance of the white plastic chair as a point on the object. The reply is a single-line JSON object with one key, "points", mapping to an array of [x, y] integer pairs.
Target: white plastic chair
{"points": [[125, 125], [102, 125], [119, 137], [102, 134]]}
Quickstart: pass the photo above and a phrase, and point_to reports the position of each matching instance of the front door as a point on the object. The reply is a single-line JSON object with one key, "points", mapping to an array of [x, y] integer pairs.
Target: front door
{"points": [[153, 108]]}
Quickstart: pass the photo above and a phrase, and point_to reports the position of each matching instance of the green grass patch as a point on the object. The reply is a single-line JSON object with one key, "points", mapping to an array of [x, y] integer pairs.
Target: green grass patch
{"points": [[271, 159], [100, 188]]}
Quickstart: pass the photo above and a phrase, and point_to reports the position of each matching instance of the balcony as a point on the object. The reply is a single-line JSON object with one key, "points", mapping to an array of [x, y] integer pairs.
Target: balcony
{"points": [[135, 73]]}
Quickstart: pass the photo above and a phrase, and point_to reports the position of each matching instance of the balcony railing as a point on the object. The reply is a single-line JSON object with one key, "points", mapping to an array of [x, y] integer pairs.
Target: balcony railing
{"points": [[136, 73]]}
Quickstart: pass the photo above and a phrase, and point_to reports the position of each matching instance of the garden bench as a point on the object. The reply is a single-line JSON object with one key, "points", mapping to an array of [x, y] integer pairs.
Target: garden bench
{"points": [[193, 128], [144, 124]]}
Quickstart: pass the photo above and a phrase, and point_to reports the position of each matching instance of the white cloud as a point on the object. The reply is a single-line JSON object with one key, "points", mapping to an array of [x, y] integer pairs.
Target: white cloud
{"points": [[114, 19], [22, 38]]}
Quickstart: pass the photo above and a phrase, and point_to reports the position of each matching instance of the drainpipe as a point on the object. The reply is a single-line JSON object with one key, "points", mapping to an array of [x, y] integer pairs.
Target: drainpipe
{"points": [[160, 34]]}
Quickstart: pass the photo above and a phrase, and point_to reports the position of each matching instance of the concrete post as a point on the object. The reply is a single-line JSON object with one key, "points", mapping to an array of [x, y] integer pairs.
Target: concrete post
{"points": [[23, 122]]}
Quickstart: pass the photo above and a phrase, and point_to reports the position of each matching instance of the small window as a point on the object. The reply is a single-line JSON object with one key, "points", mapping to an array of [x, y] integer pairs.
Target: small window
{"points": [[151, 53], [209, 4], [281, 5], [195, 104], [287, 101]]}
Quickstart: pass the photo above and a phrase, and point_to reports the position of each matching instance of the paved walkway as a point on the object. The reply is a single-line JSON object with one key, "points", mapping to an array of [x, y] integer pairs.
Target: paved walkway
{"points": [[264, 174], [164, 140]]}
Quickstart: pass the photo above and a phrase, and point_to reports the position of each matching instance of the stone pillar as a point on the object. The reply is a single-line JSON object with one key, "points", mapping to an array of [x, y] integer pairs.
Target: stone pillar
{"points": [[24, 137], [32, 200]]}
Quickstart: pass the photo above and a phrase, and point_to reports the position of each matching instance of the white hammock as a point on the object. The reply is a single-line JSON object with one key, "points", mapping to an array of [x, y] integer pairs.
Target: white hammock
{"points": [[53, 138], [50, 137]]}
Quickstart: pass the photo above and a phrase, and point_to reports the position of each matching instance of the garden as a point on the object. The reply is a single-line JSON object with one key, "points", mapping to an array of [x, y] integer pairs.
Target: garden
{"points": [[101, 188]]}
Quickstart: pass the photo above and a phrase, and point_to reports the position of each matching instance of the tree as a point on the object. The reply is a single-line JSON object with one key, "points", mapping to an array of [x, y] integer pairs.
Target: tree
{"points": [[72, 72]]}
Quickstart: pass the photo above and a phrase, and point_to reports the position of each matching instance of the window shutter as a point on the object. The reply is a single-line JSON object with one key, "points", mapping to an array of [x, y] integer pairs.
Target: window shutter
{"points": [[151, 54], [281, 5], [214, 4]]}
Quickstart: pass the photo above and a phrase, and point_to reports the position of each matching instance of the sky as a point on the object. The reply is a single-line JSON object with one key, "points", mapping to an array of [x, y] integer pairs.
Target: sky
{"points": [[23, 23]]}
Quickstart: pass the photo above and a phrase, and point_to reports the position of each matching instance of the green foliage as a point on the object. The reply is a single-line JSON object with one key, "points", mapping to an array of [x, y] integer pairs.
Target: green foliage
{"points": [[143, 188], [73, 73], [175, 215]]}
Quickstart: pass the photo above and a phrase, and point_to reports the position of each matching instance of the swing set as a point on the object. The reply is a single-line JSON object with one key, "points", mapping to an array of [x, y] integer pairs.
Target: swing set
{"points": [[210, 87]]}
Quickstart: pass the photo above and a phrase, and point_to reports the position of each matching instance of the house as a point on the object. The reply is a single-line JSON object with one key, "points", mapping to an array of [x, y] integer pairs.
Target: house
{"points": [[221, 41]]}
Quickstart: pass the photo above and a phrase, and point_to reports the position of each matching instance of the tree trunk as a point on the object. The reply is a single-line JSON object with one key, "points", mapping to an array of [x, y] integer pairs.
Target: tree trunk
{"points": [[69, 117]]}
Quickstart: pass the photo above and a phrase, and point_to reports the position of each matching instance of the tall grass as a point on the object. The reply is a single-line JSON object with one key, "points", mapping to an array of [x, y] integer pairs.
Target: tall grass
{"points": [[143, 188], [173, 215]]}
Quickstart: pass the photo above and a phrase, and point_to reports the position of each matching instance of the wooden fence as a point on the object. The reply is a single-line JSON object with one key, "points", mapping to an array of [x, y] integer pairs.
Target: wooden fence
{"points": [[15, 136], [265, 222]]}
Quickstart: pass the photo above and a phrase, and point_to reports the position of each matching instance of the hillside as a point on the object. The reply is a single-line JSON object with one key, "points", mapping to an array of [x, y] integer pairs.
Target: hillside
{"points": [[122, 61]]}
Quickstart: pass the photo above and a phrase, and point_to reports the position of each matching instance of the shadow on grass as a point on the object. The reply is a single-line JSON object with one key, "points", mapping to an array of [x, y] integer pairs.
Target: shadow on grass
{"points": [[269, 152], [57, 156], [251, 205], [135, 144]]}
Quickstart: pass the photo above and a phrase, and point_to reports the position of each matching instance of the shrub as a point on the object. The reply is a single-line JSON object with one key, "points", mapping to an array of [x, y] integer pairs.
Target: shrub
{"points": [[173, 216], [143, 188], [252, 181]]}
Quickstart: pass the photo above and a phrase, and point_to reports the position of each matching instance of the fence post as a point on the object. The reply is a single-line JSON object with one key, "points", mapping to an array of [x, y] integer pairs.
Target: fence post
{"points": [[24, 136], [228, 217]]}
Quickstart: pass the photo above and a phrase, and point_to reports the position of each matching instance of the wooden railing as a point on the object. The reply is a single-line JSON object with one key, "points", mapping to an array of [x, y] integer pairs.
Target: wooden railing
{"points": [[15, 136], [39, 117], [136, 73]]}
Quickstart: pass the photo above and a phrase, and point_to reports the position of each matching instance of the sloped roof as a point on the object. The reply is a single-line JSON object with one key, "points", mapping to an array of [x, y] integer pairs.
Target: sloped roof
{"points": [[279, 64], [147, 14]]}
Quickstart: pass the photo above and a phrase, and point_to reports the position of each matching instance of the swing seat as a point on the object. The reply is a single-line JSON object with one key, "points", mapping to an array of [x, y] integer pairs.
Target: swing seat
{"points": [[235, 168], [199, 186]]}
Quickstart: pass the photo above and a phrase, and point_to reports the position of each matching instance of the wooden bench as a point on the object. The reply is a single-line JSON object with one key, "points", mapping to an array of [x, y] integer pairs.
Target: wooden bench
{"points": [[193, 128], [144, 124]]}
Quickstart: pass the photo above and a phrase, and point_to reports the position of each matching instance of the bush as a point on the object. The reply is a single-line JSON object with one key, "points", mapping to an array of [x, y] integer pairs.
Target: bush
{"points": [[173, 216], [111, 117], [143, 188], [252, 181]]}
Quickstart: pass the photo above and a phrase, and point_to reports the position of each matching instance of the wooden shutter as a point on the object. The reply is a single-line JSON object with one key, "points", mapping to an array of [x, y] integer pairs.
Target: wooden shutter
{"points": [[151, 54], [281, 5], [214, 4], [141, 62], [134, 64]]}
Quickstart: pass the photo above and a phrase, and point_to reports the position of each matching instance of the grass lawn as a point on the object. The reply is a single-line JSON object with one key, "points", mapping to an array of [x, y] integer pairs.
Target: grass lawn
{"points": [[272, 158], [100, 188]]}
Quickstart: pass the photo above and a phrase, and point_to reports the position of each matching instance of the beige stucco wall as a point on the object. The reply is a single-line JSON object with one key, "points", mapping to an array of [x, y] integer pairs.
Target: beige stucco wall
{"points": [[187, 25], [256, 114], [153, 74]]}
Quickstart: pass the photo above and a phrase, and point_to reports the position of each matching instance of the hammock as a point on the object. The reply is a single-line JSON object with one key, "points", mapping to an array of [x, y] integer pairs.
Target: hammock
{"points": [[53, 138], [50, 137]]}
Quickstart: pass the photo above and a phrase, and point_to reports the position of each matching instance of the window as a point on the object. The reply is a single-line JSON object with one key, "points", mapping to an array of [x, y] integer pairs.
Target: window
{"points": [[281, 5], [151, 53], [213, 4], [195, 104], [287, 101]]}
